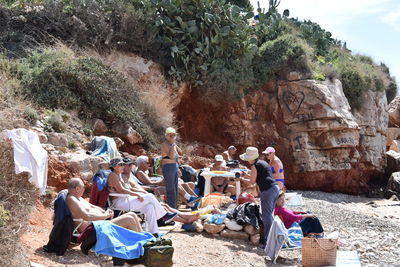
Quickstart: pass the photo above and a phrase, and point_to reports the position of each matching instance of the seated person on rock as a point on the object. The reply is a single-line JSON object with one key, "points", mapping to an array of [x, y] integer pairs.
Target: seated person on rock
{"points": [[309, 223], [82, 209], [228, 154], [221, 184], [186, 193], [128, 176]]}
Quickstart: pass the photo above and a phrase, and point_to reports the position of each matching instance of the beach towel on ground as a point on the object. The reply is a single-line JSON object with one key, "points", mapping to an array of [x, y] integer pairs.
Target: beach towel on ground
{"points": [[29, 156], [116, 241]]}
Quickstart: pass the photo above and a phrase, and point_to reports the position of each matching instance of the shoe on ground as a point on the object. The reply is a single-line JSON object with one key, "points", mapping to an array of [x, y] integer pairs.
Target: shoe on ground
{"points": [[169, 217], [193, 199], [160, 222]]}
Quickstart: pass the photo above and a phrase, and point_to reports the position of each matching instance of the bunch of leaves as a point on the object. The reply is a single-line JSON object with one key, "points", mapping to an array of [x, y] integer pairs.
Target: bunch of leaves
{"points": [[200, 38], [56, 122], [357, 73], [284, 53], [103, 25], [245, 5], [315, 36], [58, 79], [30, 114]]}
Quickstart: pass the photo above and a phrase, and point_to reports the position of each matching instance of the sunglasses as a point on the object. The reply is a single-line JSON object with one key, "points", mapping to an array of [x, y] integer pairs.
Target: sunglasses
{"points": [[121, 164]]}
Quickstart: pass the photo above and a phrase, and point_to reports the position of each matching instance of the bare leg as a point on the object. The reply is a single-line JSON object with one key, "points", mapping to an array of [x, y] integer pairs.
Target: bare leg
{"points": [[183, 217], [129, 221]]}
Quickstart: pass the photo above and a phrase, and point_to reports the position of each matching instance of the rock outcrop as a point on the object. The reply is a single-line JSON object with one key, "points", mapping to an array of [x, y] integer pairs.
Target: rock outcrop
{"points": [[323, 145], [394, 112]]}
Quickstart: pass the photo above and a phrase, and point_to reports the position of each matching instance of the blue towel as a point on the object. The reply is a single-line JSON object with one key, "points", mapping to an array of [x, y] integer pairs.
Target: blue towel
{"points": [[101, 177], [116, 241], [295, 234]]}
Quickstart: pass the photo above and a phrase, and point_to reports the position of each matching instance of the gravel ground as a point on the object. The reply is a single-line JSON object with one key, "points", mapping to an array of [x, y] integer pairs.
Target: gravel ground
{"points": [[369, 226]]}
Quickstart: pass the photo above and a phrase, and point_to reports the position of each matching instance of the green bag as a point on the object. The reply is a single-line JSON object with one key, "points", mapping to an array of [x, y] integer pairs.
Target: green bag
{"points": [[156, 254]]}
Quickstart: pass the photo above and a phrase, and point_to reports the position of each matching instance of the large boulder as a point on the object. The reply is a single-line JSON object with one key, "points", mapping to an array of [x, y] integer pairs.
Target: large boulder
{"points": [[212, 228], [393, 185], [124, 131], [323, 144], [392, 134], [57, 139]]}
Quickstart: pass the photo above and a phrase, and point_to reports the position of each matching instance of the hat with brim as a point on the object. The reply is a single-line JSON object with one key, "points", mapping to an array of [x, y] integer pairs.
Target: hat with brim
{"points": [[269, 149], [170, 130], [116, 161], [128, 161], [251, 154], [219, 158]]}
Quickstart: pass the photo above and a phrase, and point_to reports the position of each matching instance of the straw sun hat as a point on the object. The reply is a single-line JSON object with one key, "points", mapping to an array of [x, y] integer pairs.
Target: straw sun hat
{"points": [[251, 154]]}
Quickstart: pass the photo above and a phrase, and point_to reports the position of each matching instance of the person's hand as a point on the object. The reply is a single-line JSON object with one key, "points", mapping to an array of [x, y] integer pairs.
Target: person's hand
{"points": [[140, 198], [310, 216], [110, 213]]}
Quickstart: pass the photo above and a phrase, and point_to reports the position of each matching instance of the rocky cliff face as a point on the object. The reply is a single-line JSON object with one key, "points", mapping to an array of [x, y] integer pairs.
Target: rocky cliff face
{"points": [[321, 143]]}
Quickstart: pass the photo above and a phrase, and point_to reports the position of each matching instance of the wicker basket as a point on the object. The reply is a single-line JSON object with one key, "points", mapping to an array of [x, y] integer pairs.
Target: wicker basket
{"points": [[318, 251]]}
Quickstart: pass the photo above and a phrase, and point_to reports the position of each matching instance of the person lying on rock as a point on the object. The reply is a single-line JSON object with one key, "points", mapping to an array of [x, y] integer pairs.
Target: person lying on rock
{"points": [[309, 223], [221, 184], [140, 176], [82, 209]]}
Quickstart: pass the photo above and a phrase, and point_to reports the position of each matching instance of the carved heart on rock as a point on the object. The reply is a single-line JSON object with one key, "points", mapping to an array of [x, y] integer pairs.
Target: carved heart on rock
{"points": [[293, 101]]}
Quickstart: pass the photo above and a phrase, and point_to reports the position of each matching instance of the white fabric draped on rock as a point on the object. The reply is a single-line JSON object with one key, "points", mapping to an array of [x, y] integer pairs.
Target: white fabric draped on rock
{"points": [[29, 156]]}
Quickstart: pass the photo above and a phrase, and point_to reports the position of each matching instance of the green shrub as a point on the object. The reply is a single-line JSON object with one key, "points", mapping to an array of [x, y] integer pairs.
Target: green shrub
{"points": [[201, 39], [56, 122], [58, 79], [30, 114], [72, 144], [4, 216], [285, 53], [357, 74], [87, 131]]}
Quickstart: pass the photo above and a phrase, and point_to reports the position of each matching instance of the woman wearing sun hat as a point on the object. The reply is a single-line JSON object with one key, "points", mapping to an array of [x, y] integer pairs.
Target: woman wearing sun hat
{"points": [[170, 155], [261, 174]]}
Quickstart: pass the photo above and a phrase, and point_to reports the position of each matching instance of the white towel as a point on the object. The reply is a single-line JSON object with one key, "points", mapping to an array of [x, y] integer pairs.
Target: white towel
{"points": [[29, 156]]}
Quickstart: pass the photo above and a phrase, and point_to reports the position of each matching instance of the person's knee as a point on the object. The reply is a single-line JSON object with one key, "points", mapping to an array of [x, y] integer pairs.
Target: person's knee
{"points": [[132, 215]]}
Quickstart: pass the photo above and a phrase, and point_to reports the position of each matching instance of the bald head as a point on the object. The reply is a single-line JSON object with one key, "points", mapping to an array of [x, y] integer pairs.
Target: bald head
{"points": [[75, 182]]}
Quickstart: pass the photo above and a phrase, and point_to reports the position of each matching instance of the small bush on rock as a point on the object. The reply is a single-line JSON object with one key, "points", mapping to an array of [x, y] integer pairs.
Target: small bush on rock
{"points": [[59, 79]]}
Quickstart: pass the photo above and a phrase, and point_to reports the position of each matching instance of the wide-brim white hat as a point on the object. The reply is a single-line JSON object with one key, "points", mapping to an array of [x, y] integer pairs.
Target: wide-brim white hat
{"points": [[251, 154]]}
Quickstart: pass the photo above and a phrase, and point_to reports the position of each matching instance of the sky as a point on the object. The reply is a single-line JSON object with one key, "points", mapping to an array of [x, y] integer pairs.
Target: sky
{"points": [[369, 27]]}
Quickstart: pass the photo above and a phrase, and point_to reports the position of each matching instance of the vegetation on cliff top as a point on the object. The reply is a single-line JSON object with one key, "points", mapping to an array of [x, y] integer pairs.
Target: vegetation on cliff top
{"points": [[213, 45]]}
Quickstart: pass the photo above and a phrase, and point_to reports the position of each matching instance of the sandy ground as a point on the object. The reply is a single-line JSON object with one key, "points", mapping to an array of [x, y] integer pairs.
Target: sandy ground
{"points": [[369, 226]]}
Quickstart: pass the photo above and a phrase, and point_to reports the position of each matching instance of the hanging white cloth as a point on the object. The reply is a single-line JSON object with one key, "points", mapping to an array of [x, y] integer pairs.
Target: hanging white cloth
{"points": [[29, 156]]}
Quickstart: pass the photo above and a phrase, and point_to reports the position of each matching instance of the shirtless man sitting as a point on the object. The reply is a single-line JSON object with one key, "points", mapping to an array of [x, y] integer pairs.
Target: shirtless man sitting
{"points": [[82, 209]]}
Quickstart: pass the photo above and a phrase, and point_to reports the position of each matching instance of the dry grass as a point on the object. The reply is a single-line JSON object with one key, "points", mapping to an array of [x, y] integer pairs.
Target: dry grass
{"points": [[17, 196], [156, 96]]}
